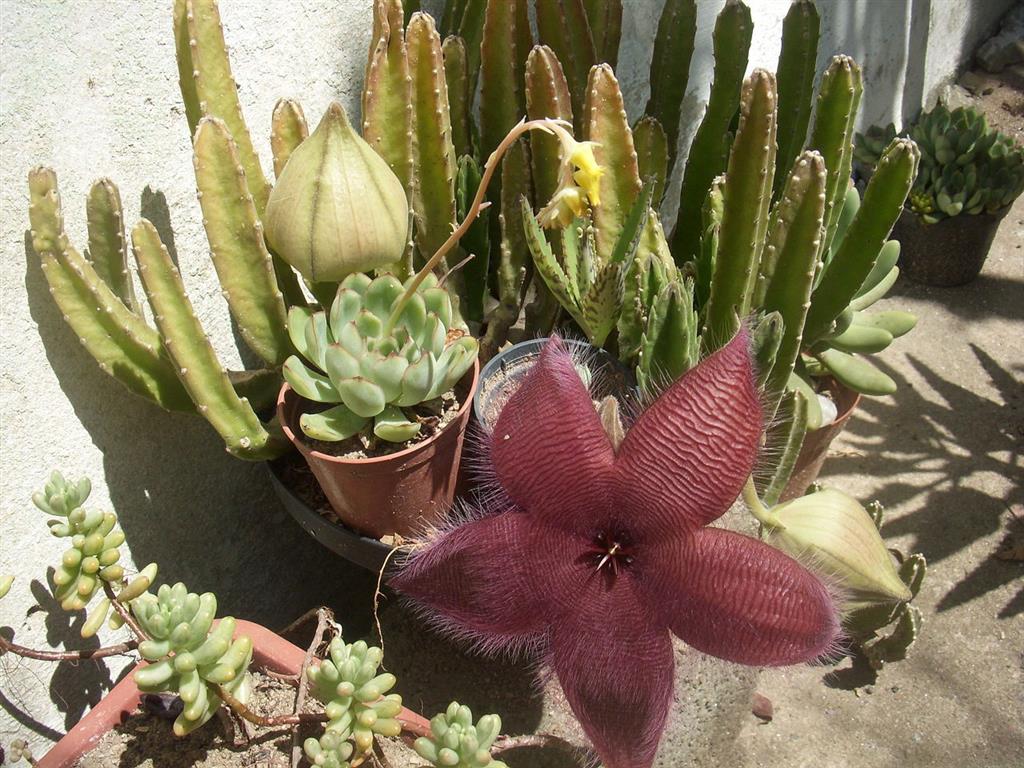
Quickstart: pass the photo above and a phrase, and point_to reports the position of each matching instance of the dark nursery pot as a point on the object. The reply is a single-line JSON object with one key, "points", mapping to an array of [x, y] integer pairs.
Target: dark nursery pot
{"points": [[814, 450], [504, 373], [402, 493], [270, 652], [950, 252]]}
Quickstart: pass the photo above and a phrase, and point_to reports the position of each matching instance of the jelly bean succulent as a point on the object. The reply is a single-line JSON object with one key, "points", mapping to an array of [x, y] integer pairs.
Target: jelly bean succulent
{"points": [[966, 166], [455, 742], [205, 662], [188, 655], [375, 355]]}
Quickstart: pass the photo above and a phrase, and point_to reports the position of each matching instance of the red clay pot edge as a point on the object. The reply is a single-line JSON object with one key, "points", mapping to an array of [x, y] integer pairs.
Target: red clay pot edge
{"points": [[396, 457], [270, 651]]}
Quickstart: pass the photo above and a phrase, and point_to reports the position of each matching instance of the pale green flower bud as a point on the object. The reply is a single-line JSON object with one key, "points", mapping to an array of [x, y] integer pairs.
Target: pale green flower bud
{"points": [[337, 207], [837, 534]]}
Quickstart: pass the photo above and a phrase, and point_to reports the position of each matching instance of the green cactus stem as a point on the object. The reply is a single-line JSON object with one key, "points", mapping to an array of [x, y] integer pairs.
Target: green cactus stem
{"points": [[789, 261], [562, 25], [108, 251], [607, 125], [434, 162], [288, 129], [507, 41], [748, 184], [709, 149], [652, 153], [670, 345], [832, 134], [796, 69], [460, 102], [857, 254], [765, 340], [515, 253], [605, 17], [476, 242], [387, 93], [670, 69], [119, 340], [208, 87], [471, 29], [786, 436], [198, 367], [547, 96], [239, 252]]}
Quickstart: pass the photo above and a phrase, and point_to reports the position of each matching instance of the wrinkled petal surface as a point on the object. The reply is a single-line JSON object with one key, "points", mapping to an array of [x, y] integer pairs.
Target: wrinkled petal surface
{"points": [[739, 599], [548, 448], [687, 457], [616, 669], [478, 579]]}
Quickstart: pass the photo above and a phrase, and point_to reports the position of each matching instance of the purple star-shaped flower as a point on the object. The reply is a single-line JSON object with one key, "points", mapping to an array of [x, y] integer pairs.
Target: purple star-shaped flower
{"points": [[599, 555]]}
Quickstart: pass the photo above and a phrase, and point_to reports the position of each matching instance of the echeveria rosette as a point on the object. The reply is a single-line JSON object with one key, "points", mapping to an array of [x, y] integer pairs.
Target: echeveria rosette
{"points": [[600, 555]]}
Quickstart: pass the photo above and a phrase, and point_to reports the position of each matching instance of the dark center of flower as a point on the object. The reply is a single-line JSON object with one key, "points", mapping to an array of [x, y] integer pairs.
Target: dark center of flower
{"points": [[610, 551]]}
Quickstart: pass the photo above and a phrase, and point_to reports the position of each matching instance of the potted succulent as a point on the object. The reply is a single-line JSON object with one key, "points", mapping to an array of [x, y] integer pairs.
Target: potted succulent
{"points": [[969, 177], [195, 669]]}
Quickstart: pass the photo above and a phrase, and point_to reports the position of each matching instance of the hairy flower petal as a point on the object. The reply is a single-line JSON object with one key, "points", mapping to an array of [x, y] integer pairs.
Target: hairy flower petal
{"points": [[739, 599], [616, 669], [549, 450], [479, 579], [687, 457]]}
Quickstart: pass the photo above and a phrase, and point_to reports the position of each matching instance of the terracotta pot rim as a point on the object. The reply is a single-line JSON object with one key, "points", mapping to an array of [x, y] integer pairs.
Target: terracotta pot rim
{"points": [[270, 651], [391, 457]]}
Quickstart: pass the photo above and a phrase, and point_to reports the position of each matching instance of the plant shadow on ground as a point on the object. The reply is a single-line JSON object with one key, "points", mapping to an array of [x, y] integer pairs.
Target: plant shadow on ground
{"points": [[935, 448]]}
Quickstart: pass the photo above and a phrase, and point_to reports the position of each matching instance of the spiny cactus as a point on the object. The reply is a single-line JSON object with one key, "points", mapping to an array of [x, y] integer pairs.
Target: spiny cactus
{"points": [[375, 354], [455, 742], [188, 655], [358, 704]]}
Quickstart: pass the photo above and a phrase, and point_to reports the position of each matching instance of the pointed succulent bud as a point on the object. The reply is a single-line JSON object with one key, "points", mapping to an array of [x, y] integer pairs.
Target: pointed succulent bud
{"points": [[838, 534], [337, 208]]}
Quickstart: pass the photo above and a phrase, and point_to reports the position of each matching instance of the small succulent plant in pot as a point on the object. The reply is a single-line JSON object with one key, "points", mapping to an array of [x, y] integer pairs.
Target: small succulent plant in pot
{"points": [[970, 175]]}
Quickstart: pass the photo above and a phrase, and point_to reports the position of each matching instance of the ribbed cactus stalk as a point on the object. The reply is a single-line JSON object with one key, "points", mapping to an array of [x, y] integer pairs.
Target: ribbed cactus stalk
{"points": [[563, 26], [108, 249], [460, 100], [456, 742], [670, 69], [288, 129], [506, 43], [795, 74], [670, 343], [370, 366], [605, 18], [188, 655], [652, 153], [748, 186], [709, 149]]}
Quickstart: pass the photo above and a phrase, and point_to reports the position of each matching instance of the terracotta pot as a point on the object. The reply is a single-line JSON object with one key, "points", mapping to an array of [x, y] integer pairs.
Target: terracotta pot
{"points": [[400, 493], [815, 448], [270, 651], [949, 252]]}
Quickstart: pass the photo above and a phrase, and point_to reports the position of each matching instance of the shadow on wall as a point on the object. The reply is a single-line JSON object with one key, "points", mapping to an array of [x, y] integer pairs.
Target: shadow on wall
{"points": [[214, 522]]}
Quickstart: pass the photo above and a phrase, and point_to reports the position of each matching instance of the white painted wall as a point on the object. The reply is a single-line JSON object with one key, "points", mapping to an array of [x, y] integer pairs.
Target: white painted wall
{"points": [[89, 87]]}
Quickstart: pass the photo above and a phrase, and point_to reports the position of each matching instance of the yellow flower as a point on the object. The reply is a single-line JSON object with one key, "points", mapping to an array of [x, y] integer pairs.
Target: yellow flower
{"points": [[566, 205], [588, 173]]}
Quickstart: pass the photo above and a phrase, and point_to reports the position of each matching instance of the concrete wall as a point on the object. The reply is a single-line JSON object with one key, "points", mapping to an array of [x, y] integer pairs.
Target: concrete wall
{"points": [[89, 87]]}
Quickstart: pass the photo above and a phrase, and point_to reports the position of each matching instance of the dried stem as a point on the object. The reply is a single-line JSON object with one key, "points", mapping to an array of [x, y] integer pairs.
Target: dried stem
{"points": [[121, 649], [324, 618], [537, 740], [268, 722], [124, 612], [490, 168]]}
